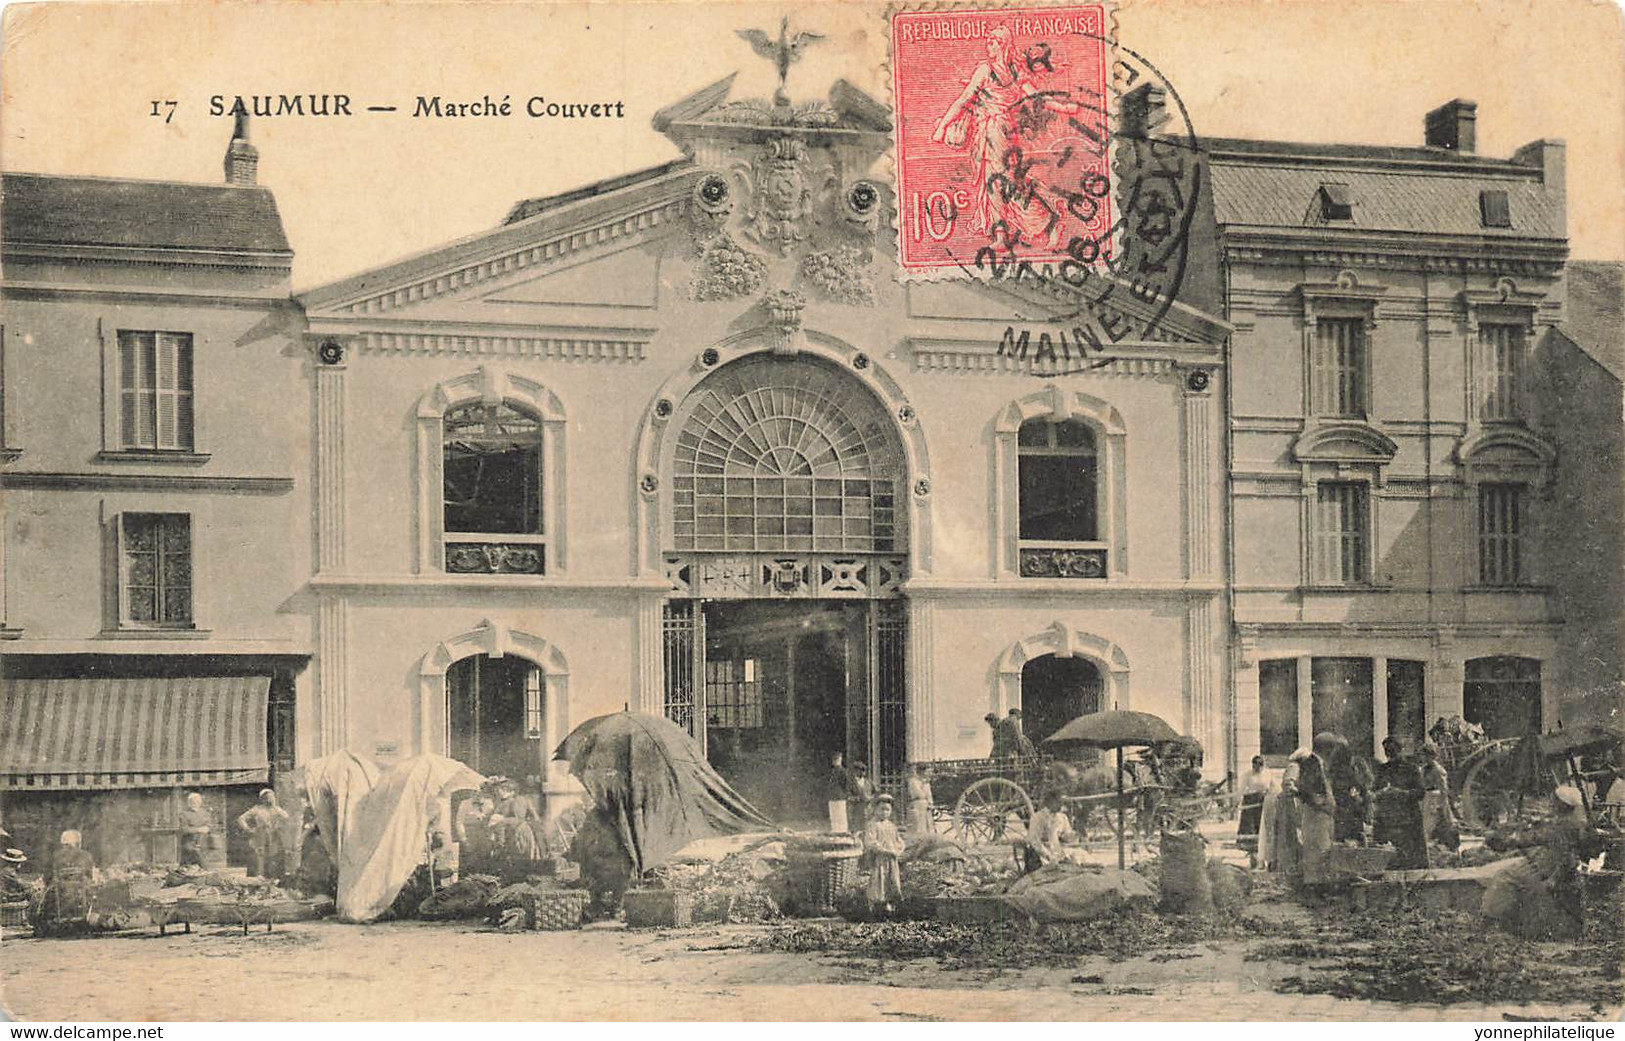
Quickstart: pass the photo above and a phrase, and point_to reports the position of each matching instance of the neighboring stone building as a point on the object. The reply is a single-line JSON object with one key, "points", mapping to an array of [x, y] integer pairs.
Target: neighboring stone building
{"points": [[682, 441], [155, 515], [1586, 359], [1394, 434]]}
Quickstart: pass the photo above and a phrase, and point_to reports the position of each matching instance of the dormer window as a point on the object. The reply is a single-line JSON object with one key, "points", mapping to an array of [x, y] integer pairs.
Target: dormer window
{"points": [[1493, 209], [1336, 202]]}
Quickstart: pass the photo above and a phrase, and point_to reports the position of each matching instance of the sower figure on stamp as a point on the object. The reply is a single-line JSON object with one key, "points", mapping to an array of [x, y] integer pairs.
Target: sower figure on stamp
{"points": [[989, 116]]}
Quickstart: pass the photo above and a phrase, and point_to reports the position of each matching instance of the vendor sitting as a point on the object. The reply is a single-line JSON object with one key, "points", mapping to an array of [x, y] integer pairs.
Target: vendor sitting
{"points": [[1044, 834], [67, 887], [1537, 896]]}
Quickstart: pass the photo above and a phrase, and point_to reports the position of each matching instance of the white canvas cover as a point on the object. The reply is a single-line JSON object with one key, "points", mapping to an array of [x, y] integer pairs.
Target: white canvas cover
{"points": [[378, 817]]}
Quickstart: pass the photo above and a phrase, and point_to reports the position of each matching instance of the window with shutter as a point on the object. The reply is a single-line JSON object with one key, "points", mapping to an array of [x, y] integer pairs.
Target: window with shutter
{"points": [[1501, 371], [1500, 534], [1342, 533], [1340, 367], [155, 391], [155, 552]]}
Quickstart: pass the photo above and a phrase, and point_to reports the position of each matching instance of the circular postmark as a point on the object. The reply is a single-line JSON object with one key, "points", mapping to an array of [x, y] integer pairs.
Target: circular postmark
{"points": [[1119, 277]]}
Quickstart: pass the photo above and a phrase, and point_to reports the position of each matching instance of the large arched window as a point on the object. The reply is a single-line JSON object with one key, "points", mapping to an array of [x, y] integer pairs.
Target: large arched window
{"points": [[1058, 479], [490, 467], [492, 456], [786, 454]]}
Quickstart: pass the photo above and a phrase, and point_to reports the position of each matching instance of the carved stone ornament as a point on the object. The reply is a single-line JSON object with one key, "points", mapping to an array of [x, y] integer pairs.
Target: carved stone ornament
{"points": [[649, 484], [495, 558], [1063, 563], [781, 202], [784, 309]]}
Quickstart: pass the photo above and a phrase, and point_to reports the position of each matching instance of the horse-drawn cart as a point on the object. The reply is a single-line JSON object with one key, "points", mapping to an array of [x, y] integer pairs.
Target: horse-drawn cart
{"points": [[986, 801]]}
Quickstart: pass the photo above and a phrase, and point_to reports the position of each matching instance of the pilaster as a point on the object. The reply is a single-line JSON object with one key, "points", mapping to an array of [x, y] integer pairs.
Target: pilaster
{"points": [[921, 707], [331, 666], [330, 456], [650, 637], [1196, 417]]}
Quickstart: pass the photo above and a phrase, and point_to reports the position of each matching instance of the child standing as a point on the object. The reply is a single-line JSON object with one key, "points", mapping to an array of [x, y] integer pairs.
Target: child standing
{"points": [[919, 801], [882, 845]]}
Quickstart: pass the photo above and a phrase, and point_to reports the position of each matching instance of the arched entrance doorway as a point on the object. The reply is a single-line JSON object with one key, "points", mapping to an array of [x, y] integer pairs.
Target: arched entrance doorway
{"points": [[1055, 691], [787, 539], [496, 716]]}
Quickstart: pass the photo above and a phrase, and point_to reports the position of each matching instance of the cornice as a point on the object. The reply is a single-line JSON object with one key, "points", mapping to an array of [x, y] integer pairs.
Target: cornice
{"points": [[440, 581], [1050, 588], [1396, 250], [982, 356], [426, 339], [145, 482], [281, 260], [190, 297]]}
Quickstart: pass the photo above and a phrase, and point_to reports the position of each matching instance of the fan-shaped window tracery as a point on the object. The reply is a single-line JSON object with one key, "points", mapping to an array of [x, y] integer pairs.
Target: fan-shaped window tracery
{"points": [[786, 454]]}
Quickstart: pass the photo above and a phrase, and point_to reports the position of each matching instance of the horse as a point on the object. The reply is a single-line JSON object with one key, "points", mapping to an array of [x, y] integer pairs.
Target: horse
{"points": [[1143, 794]]}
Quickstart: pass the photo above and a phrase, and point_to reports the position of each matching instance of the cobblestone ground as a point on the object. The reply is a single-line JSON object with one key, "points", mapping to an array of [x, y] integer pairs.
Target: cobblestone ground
{"points": [[422, 971]]}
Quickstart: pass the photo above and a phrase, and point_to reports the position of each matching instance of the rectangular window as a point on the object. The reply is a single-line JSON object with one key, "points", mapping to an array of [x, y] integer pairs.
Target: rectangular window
{"points": [[1341, 693], [1342, 533], [1500, 534], [733, 694], [155, 391], [1493, 210], [155, 554], [1278, 707], [1407, 700], [1500, 352], [535, 714], [1340, 367]]}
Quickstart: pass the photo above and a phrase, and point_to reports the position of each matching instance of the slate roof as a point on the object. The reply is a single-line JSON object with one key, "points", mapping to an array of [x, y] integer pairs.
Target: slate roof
{"points": [[1595, 318], [100, 211], [526, 208], [1274, 184]]}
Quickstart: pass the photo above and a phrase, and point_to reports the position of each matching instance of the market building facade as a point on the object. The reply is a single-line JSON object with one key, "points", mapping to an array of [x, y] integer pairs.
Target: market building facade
{"points": [[153, 528], [1394, 416], [684, 442]]}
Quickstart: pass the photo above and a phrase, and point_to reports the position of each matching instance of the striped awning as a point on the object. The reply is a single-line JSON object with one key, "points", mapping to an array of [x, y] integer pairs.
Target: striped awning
{"points": [[151, 732]]}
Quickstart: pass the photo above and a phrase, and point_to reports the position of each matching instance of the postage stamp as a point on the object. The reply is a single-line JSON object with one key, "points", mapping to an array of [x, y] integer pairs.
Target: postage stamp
{"points": [[1001, 134]]}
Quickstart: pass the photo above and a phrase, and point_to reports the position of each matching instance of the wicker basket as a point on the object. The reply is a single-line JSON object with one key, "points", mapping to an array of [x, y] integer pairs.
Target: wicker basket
{"points": [[560, 910], [822, 877], [658, 909], [14, 914]]}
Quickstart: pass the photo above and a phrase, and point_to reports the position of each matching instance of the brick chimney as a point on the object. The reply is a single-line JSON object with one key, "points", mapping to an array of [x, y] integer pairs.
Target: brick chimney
{"points": [[242, 159], [1451, 126]]}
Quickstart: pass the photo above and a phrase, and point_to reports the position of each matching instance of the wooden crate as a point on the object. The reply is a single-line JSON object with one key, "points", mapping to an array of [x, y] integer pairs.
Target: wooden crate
{"points": [[658, 909]]}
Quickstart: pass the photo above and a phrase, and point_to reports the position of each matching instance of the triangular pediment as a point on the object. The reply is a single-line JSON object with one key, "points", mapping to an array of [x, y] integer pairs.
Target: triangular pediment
{"points": [[628, 278], [585, 252]]}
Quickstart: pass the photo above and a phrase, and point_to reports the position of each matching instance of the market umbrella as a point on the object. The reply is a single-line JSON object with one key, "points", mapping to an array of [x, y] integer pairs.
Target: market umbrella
{"points": [[654, 783], [1119, 729]]}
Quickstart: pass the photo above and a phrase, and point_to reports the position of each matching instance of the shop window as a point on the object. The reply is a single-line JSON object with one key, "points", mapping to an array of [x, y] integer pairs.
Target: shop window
{"points": [[1342, 533], [155, 391], [155, 570], [1341, 699], [279, 723], [1502, 694], [1407, 701], [492, 474], [1278, 707], [1500, 534], [1058, 480]]}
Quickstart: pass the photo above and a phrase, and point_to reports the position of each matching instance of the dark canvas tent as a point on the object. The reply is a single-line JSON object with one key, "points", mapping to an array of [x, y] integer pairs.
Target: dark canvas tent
{"points": [[654, 783]]}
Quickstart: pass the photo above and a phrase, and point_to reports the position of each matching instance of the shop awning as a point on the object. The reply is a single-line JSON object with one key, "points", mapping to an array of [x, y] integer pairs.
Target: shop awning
{"points": [[151, 732]]}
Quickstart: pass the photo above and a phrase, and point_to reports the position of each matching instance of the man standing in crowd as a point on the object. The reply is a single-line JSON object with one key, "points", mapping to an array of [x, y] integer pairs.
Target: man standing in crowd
{"points": [[1399, 807], [837, 789], [264, 822], [1016, 739]]}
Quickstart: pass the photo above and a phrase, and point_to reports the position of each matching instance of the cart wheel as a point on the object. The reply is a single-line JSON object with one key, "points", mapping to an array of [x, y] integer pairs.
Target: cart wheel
{"points": [[991, 809], [1491, 794]]}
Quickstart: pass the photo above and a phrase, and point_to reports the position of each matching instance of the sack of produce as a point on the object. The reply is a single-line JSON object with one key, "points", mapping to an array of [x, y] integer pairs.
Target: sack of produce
{"points": [[1186, 887]]}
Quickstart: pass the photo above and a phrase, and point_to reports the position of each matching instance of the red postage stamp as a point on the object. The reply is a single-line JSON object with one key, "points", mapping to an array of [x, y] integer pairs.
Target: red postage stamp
{"points": [[1002, 137]]}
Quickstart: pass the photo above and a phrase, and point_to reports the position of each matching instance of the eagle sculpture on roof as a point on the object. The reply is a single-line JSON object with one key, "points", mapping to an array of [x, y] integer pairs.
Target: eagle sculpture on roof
{"points": [[782, 52]]}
